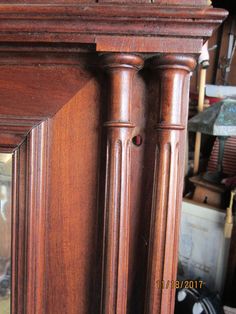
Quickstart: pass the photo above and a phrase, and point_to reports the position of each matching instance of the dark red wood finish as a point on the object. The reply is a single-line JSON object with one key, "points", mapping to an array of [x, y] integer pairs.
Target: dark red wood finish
{"points": [[80, 215], [121, 69], [173, 72]]}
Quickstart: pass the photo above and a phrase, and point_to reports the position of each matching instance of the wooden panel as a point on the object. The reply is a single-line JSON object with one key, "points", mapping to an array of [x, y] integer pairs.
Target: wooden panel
{"points": [[46, 1], [38, 90], [123, 1], [148, 44], [162, 2], [72, 214], [72, 229], [182, 2]]}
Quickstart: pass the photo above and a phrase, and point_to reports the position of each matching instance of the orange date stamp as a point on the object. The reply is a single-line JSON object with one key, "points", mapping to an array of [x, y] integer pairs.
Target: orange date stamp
{"points": [[180, 284]]}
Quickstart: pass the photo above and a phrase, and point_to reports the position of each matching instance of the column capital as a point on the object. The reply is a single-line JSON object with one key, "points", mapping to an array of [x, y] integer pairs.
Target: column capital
{"points": [[176, 61], [120, 68], [122, 60]]}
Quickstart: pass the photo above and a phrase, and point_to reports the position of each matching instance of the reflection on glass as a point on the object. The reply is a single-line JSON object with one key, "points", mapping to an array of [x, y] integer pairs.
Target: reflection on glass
{"points": [[5, 231]]}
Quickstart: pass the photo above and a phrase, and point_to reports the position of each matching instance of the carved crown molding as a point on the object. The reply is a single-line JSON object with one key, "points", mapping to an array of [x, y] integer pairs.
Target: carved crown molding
{"points": [[149, 24]]}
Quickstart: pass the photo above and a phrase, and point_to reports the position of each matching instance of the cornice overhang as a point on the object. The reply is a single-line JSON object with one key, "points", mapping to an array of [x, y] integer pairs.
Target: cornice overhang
{"points": [[111, 27]]}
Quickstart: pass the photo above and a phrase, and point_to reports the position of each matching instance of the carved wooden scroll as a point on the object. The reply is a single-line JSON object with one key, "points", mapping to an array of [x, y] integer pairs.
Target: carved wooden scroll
{"points": [[121, 69], [173, 73]]}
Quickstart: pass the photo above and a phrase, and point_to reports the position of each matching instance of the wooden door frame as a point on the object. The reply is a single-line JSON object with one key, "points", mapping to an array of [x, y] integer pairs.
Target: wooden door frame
{"points": [[28, 141]]}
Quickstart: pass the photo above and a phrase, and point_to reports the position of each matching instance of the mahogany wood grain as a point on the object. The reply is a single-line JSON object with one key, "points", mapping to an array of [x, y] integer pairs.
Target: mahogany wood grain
{"points": [[148, 44], [13, 130], [42, 88], [85, 23], [18, 290], [29, 217], [121, 69], [66, 2], [125, 2], [35, 219], [47, 2], [143, 116], [53, 103], [10, 140], [173, 74], [72, 204]]}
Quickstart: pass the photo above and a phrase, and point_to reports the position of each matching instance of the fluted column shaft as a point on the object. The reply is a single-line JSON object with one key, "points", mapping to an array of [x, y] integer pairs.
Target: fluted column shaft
{"points": [[121, 69], [173, 74]]}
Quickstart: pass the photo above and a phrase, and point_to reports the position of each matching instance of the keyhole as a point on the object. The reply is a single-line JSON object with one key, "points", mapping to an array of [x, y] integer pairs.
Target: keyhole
{"points": [[137, 140]]}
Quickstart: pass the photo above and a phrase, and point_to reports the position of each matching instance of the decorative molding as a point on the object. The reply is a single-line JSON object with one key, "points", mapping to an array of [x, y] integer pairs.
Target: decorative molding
{"points": [[29, 202], [13, 130], [173, 75], [17, 56], [89, 23], [18, 232], [37, 188], [121, 69]]}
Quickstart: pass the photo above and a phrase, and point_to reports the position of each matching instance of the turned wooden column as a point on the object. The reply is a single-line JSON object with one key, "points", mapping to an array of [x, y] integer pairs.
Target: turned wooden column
{"points": [[121, 69], [172, 79]]}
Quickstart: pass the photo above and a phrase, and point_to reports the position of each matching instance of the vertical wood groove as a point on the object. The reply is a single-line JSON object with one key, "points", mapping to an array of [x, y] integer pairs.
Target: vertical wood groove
{"points": [[120, 69], [36, 212], [172, 71], [29, 199]]}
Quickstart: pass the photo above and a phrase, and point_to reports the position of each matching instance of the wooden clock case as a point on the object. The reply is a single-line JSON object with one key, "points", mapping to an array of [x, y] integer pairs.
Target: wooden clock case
{"points": [[96, 212]]}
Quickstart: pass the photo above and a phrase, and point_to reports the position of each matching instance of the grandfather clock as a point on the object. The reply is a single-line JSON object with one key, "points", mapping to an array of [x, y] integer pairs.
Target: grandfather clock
{"points": [[94, 103]]}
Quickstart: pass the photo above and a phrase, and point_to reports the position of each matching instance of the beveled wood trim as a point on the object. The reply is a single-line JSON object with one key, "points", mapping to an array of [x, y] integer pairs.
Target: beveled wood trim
{"points": [[13, 130], [10, 141], [7, 149], [29, 222], [18, 230], [84, 23], [59, 48], [37, 188], [18, 56], [154, 10]]}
